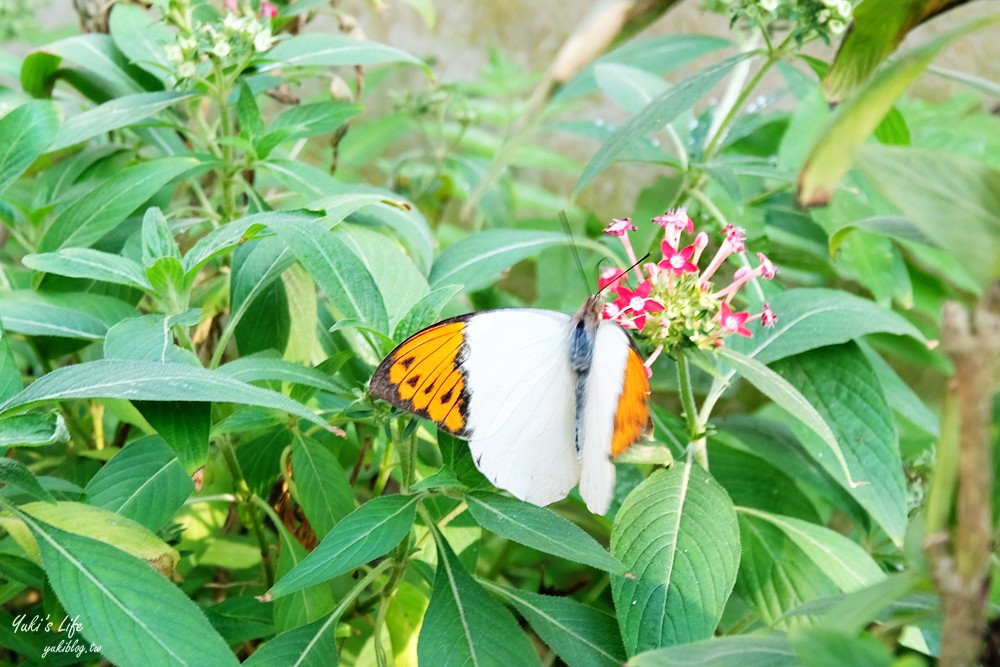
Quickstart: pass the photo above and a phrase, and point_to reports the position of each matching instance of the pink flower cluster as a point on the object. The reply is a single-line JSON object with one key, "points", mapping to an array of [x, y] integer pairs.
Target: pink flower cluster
{"points": [[674, 301]]}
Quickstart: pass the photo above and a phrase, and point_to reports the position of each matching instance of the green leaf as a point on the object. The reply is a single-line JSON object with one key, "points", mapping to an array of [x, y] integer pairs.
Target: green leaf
{"points": [[256, 265], [10, 373], [185, 428], [316, 185], [306, 120], [661, 111], [90, 218], [305, 605], [241, 619], [26, 131], [337, 271], [33, 430], [141, 38], [257, 368], [964, 191], [251, 122], [477, 260], [628, 87], [157, 239], [89, 264], [821, 647], [150, 338], [846, 564], [62, 314], [120, 601], [144, 482], [312, 645], [322, 487], [539, 528], [15, 474], [791, 400], [236, 233], [768, 488], [465, 625], [425, 312], [363, 535], [102, 70], [770, 650], [677, 534], [113, 115], [879, 26], [398, 279], [331, 50], [814, 318], [900, 396], [580, 635], [145, 380], [840, 382], [855, 120]]}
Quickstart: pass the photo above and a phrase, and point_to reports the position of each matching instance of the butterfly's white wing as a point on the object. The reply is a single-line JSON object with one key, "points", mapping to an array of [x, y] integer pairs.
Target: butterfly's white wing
{"points": [[521, 412]]}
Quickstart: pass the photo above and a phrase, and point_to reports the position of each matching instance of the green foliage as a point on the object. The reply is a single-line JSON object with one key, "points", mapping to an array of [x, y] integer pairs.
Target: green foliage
{"points": [[214, 225]]}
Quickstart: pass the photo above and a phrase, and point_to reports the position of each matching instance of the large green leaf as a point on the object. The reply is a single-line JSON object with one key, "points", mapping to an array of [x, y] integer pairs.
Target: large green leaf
{"points": [[145, 380], [768, 488], [662, 110], [464, 625], [337, 271], [787, 562], [90, 264], [477, 261], [142, 38], [101, 71], [844, 389], [26, 131], [322, 487], [307, 604], [257, 368], [331, 50], [112, 115], [855, 120], [150, 338], [120, 602], [788, 398], [236, 233], [677, 534], [91, 217], [144, 482], [305, 120], [769, 650], [964, 192], [363, 535], [62, 314], [539, 528], [582, 636]]}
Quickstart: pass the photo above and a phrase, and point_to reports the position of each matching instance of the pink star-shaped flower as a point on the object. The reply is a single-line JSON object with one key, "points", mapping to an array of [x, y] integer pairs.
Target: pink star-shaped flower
{"points": [[735, 237], [767, 318], [678, 261], [733, 322], [637, 304], [766, 268], [619, 226]]}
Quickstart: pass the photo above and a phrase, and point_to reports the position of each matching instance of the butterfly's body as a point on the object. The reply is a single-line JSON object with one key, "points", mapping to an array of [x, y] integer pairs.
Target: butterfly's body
{"points": [[544, 399]]}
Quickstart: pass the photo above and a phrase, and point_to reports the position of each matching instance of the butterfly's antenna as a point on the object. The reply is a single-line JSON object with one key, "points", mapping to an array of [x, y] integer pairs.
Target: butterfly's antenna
{"points": [[576, 255], [624, 273]]}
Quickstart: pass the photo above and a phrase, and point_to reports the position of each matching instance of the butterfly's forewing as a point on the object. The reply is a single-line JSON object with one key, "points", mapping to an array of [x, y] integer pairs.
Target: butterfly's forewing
{"points": [[424, 375], [615, 412], [513, 391]]}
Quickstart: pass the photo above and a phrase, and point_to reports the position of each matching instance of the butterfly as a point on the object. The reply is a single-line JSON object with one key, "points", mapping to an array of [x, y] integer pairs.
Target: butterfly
{"points": [[546, 400]]}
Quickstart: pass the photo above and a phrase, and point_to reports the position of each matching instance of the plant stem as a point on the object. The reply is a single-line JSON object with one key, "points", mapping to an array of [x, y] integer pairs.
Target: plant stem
{"points": [[737, 106], [695, 428]]}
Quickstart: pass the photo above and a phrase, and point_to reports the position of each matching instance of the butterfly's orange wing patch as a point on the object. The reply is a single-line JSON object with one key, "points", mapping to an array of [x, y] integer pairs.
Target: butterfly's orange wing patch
{"points": [[632, 417], [424, 376]]}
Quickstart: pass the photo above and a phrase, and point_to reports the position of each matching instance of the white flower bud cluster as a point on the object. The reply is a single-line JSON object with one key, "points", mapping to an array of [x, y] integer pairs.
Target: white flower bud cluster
{"points": [[824, 18], [231, 41]]}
